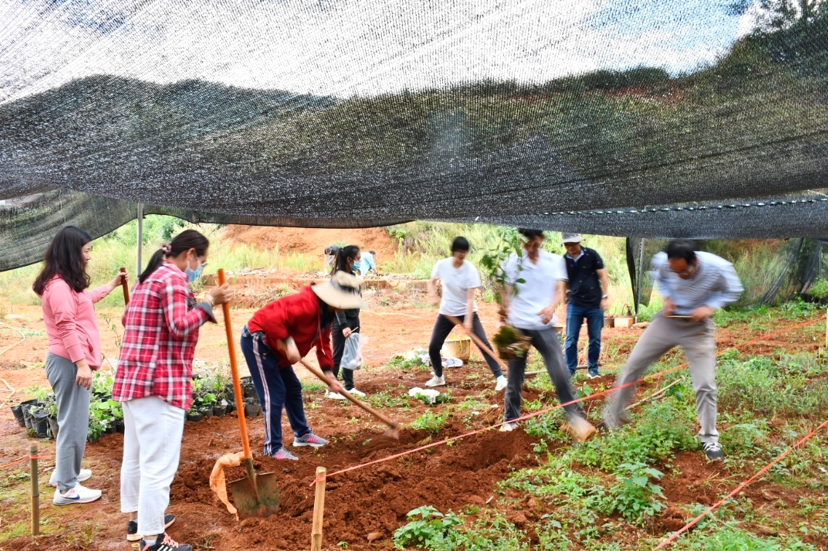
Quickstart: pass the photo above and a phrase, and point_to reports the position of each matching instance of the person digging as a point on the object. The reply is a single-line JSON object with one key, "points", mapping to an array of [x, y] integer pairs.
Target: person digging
{"points": [[280, 335], [536, 285], [694, 285]]}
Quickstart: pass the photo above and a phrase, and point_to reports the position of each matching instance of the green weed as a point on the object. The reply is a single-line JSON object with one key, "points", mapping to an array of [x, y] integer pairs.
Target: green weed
{"points": [[636, 497], [430, 421], [423, 531]]}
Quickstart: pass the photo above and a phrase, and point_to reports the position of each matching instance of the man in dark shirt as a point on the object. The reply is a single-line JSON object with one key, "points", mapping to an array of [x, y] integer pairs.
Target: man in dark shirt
{"points": [[587, 290]]}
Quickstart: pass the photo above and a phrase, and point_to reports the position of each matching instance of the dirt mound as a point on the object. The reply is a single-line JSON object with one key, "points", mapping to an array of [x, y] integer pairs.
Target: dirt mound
{"points": [[370, 500], [311, 240]]}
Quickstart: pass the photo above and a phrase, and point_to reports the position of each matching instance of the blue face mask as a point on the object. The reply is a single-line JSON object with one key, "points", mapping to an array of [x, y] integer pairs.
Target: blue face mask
{"points": [[192, 275]]}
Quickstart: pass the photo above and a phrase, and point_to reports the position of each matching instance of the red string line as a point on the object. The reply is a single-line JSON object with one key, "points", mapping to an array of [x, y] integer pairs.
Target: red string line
{"points": [[24, 459], [654, 376], [738, 489]]}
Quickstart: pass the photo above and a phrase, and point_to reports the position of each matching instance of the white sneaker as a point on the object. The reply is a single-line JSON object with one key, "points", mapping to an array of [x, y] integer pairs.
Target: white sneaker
{"points": [[83, 476], [508, 427], [436, 381], [501, 383], [355, 392], [334, 395], [78, 494]]}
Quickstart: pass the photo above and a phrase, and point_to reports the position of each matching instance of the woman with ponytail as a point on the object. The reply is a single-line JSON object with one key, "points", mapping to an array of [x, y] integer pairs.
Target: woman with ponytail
{"points": [[74, 352], [345, 322], [153, 382]]}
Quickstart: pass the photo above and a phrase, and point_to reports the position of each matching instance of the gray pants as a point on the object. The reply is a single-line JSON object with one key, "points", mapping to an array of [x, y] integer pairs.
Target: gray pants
{"points": [[698, 342], [546, 342], [72, 417]]}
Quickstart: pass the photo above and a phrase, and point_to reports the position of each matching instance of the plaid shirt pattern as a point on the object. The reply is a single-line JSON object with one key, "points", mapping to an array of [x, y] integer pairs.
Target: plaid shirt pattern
{"points": [[160, 333]]}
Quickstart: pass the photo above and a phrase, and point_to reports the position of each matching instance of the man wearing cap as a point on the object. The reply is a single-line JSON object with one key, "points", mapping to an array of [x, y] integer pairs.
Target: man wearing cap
{"points": [[278, 336], [587, 290]]}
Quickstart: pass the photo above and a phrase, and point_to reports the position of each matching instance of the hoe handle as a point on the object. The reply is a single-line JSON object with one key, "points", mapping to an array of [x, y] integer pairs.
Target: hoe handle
{"points": [[480, 343], [234, 370], [125, 285], [362, 405]]}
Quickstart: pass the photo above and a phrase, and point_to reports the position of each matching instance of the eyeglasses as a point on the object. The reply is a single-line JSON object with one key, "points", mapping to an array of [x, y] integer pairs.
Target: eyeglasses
{"points": [[688, 272]]}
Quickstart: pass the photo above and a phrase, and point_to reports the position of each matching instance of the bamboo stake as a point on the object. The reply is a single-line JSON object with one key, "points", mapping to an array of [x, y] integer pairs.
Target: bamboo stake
{"points": [[35, 491], [318, 510]]}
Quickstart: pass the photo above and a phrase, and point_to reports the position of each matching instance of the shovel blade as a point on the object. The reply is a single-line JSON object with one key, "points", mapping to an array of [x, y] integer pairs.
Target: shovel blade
{"points": [[255, 497]]}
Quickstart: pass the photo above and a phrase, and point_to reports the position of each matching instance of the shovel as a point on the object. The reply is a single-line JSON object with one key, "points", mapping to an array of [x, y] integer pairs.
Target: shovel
{"points": [[388, 438], [257, 495]]}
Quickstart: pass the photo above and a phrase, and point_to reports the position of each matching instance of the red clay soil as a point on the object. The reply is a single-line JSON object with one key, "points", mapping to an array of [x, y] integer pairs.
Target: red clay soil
{"points": [[371, 501], [308, 240]]}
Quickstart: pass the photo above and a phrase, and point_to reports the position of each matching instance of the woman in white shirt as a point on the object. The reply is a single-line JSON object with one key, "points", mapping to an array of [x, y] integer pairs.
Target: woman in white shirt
{"points": [[530, 306], [460, 279]]}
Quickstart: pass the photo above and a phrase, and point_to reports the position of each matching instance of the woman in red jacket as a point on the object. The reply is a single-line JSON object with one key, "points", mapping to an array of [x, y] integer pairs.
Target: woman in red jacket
{"points": [[278, 336]]}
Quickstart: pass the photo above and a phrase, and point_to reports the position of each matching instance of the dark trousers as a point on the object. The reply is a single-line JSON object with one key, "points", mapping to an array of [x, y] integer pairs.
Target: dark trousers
{"points": [[595, 322], [339, 349], [442, 328], [277, 387], [546, 342]]}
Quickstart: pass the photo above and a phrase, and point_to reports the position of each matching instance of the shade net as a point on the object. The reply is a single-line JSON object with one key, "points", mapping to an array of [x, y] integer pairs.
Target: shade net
{"points": [[690, 118]]}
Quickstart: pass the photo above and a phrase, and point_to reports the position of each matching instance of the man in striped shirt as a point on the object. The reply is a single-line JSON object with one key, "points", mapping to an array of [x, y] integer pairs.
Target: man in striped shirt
{"points": [[694, 285]]}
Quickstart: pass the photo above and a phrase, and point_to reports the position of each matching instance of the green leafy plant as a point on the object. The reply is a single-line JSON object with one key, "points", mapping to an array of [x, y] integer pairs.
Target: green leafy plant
{"points": [[636, 496], [422, 531], [430, 421]]}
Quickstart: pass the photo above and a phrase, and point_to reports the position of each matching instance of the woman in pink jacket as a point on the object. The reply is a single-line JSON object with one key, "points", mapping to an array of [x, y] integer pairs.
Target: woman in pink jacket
{"points": [[74, 352]]}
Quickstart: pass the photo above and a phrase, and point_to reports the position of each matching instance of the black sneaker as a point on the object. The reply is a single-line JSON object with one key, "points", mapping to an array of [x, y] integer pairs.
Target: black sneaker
{"points": [[713, 450], [164, 543], [132, 527]]}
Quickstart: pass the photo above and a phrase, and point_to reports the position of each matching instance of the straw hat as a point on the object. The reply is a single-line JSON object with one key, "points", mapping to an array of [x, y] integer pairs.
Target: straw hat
{"points": [[341, 291]]}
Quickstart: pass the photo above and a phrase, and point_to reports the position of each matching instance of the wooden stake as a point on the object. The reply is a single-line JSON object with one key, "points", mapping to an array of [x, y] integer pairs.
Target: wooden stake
{"points": [[35, 491], [125, 285], [318, 510], [826, 329]]}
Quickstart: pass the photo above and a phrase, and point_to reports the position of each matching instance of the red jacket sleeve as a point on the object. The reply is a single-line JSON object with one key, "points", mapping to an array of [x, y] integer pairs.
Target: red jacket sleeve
{"points": [[323, 350]]}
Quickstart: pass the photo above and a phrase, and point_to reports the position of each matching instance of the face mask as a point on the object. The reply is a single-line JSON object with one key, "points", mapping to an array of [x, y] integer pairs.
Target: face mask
{"points": [[192, 275]]}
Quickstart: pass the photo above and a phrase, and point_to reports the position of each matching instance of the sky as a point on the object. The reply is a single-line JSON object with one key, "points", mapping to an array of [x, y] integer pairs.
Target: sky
{"points": [[346, 48]]}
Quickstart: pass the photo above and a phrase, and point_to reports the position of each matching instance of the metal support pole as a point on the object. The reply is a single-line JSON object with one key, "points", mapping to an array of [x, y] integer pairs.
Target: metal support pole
{"points": [[138, 268], [640, 278]]}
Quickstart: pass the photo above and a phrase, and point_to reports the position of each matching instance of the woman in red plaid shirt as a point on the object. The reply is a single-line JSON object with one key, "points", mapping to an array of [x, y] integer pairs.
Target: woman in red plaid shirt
{"points": [[153, 382]]}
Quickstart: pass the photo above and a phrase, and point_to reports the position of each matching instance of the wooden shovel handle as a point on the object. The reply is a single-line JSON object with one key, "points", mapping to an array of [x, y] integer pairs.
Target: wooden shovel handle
{"points": [[476, 339], [387, 420], [125, 285], [234, 370]]}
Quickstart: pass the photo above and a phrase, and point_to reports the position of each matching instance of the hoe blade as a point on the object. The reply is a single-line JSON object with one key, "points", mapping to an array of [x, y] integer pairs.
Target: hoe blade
{"points": [[257, 496]]}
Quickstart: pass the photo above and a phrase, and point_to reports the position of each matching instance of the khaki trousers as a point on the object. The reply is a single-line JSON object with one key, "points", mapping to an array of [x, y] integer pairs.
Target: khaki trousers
{"points": [[697, 340]]}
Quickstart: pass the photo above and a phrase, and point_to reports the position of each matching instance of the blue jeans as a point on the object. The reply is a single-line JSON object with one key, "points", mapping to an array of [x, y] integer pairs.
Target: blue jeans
{"points": [[277, 387], [595, 322]]}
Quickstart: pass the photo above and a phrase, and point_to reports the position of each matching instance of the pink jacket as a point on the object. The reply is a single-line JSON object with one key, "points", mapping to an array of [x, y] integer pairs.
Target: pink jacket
{"points": [[70, 321]]}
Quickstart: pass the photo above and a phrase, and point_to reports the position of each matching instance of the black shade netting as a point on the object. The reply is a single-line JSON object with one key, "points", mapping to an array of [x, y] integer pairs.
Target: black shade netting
{"points": [[647, 119]]}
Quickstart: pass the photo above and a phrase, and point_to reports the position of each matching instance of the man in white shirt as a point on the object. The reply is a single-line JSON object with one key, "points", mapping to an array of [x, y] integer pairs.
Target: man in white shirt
{"points": [[537, 287], [460, 279]]}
